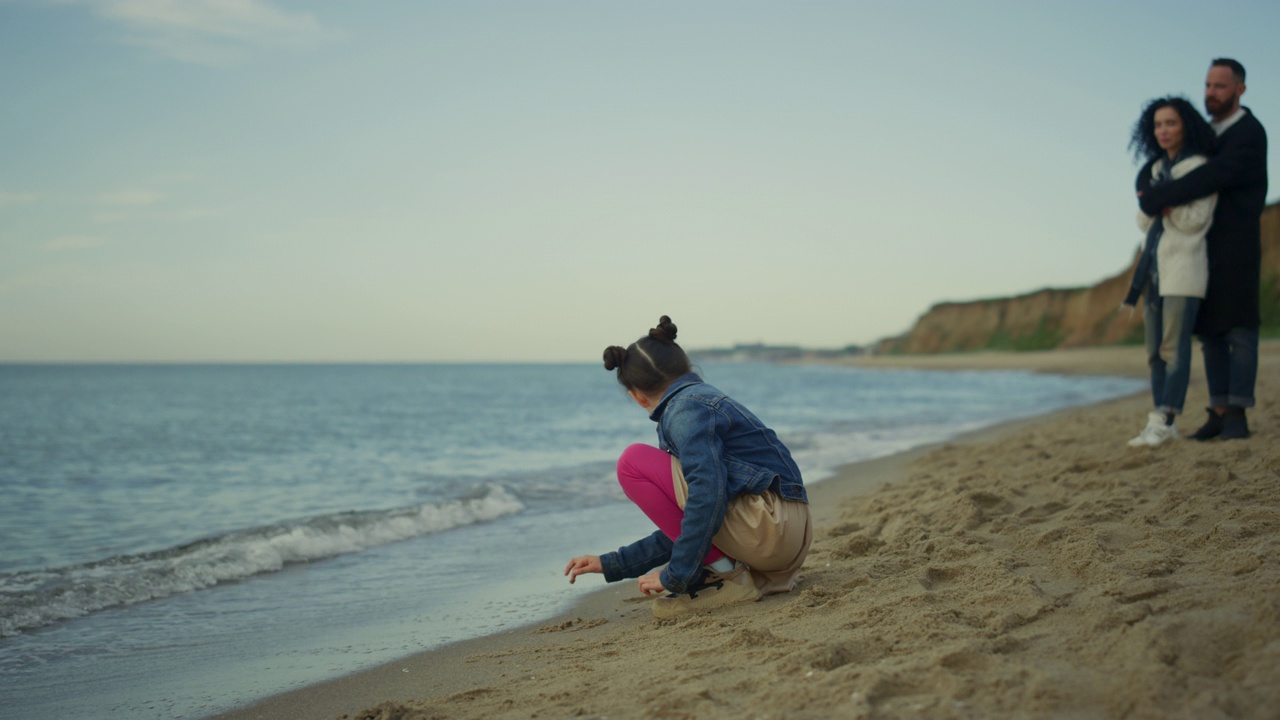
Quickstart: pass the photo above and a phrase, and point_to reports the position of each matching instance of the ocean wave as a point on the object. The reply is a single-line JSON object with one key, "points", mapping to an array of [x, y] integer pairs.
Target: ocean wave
{"points": [[33, 599]]}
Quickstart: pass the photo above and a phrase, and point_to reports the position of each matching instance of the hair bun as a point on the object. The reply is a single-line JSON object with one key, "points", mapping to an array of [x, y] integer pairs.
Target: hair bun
{"points": [[614, 356], [665, 331]]}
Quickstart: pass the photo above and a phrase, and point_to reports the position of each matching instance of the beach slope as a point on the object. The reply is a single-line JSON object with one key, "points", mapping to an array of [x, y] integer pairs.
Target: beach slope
{"points": [[1042, 569]]}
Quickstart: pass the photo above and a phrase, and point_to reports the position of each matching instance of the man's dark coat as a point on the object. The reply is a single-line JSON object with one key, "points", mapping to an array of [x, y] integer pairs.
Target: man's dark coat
{"points": [[1238, 173]]}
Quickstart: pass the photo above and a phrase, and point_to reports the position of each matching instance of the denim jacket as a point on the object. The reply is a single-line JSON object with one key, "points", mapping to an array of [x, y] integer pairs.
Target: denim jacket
{"points": [[725, 451]]}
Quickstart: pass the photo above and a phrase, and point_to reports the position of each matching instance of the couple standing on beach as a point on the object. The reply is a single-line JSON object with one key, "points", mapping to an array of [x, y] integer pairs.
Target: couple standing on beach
{"points": [[1201, 195]]}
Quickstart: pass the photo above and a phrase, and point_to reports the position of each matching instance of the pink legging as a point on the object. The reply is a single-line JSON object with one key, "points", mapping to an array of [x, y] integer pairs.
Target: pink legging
{"points": [[644, 472]]}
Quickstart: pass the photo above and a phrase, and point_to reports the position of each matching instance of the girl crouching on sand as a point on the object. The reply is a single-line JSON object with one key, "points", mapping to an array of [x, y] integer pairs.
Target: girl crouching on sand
{"points": [[731, 509]]}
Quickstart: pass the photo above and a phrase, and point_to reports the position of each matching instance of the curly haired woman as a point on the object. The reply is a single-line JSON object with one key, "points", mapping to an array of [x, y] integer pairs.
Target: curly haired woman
{"points": [[1173, 270]]}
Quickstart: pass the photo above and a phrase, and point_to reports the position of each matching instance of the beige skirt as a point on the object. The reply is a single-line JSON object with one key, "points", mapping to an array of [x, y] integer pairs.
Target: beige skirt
{"points": [[768, 533]]}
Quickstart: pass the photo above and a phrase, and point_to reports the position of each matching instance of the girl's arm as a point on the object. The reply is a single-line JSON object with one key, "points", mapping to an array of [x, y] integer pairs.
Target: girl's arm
{"points": [[696, 431], [651, 583], [637, 558], [581, 565]]}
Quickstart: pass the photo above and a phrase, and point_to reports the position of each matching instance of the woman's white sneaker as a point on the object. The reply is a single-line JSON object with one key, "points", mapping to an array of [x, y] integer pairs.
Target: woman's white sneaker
{"points": [[1156, 432]]}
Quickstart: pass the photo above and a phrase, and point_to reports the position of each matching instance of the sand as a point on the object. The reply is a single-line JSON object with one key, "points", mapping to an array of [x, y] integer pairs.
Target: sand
{"points": [[1042, 569]]}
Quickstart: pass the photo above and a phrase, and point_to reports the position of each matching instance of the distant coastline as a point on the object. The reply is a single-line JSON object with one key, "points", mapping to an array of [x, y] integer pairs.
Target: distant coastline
{"points": [[1046, 319], [759, 352]]}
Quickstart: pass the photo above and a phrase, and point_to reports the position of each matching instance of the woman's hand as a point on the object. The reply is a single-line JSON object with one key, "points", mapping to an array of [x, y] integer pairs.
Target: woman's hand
{"points": [[581, 565], [651, 583]]}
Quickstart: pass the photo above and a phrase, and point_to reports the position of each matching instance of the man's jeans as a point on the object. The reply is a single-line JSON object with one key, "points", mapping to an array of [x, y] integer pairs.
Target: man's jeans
{"points": [[1168, 321], [1231, 366]]}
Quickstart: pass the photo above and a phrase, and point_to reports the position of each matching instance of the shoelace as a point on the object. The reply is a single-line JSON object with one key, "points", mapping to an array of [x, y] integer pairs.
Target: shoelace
{"points": [[703, 585]]}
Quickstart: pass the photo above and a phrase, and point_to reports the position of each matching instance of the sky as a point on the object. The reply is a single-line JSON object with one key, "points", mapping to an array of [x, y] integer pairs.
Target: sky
{"points": [[533, 180]]}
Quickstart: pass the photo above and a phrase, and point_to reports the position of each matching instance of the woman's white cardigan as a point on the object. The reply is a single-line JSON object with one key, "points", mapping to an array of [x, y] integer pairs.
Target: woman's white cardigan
{"points": [[1182, 261]]}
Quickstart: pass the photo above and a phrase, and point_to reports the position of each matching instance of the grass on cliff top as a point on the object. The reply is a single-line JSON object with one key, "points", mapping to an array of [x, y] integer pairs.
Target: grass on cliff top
{"points": [[1045, 338], [1041, 338]]}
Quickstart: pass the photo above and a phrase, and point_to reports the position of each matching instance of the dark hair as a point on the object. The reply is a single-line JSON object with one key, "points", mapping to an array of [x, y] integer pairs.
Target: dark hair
{"points": [[651, 363], [1197, 135], [1237, 69]]}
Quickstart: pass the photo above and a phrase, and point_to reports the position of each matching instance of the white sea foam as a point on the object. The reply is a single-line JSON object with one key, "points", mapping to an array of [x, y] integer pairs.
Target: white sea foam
{"points": [[33, 599]]}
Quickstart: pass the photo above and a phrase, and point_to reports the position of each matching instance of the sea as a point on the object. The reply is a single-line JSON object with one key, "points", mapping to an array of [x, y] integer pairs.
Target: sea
{"points": [[181, 540]]}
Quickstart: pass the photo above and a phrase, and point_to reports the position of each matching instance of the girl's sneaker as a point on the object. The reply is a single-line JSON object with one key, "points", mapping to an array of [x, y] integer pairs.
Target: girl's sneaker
{"points": [[716, 590]]}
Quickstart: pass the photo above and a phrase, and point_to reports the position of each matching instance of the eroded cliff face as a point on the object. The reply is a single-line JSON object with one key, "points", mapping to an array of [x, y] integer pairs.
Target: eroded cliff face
{"points": [[1061, 318]]}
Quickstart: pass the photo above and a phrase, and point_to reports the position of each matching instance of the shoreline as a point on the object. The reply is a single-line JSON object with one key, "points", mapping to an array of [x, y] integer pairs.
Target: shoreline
{"points": [[522, 667], [1113, 360], [444, 670]]}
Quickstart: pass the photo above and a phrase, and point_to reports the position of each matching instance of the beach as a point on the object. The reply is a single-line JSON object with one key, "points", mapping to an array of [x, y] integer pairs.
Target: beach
{"points": [[1041, 568]]}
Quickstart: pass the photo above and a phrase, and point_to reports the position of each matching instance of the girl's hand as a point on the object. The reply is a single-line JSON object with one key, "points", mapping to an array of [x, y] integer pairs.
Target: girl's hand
{"points": [[581, 565], [651, 583]]}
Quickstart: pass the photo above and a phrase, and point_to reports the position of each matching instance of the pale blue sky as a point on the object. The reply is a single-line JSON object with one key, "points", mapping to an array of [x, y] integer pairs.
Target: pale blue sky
{"points": [[261, 180]]}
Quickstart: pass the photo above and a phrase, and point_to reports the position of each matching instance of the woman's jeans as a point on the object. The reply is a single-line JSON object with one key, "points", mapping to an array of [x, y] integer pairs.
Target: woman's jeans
{"points": [[1168, 322], [1231, 366]]}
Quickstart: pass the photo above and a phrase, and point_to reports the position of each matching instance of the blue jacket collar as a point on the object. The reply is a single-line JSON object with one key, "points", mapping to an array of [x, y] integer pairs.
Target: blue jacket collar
{"points": [[676, 386]]}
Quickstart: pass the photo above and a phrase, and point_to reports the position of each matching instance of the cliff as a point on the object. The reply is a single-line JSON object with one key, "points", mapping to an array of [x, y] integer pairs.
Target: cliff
{"points": [[1063, 318]]}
